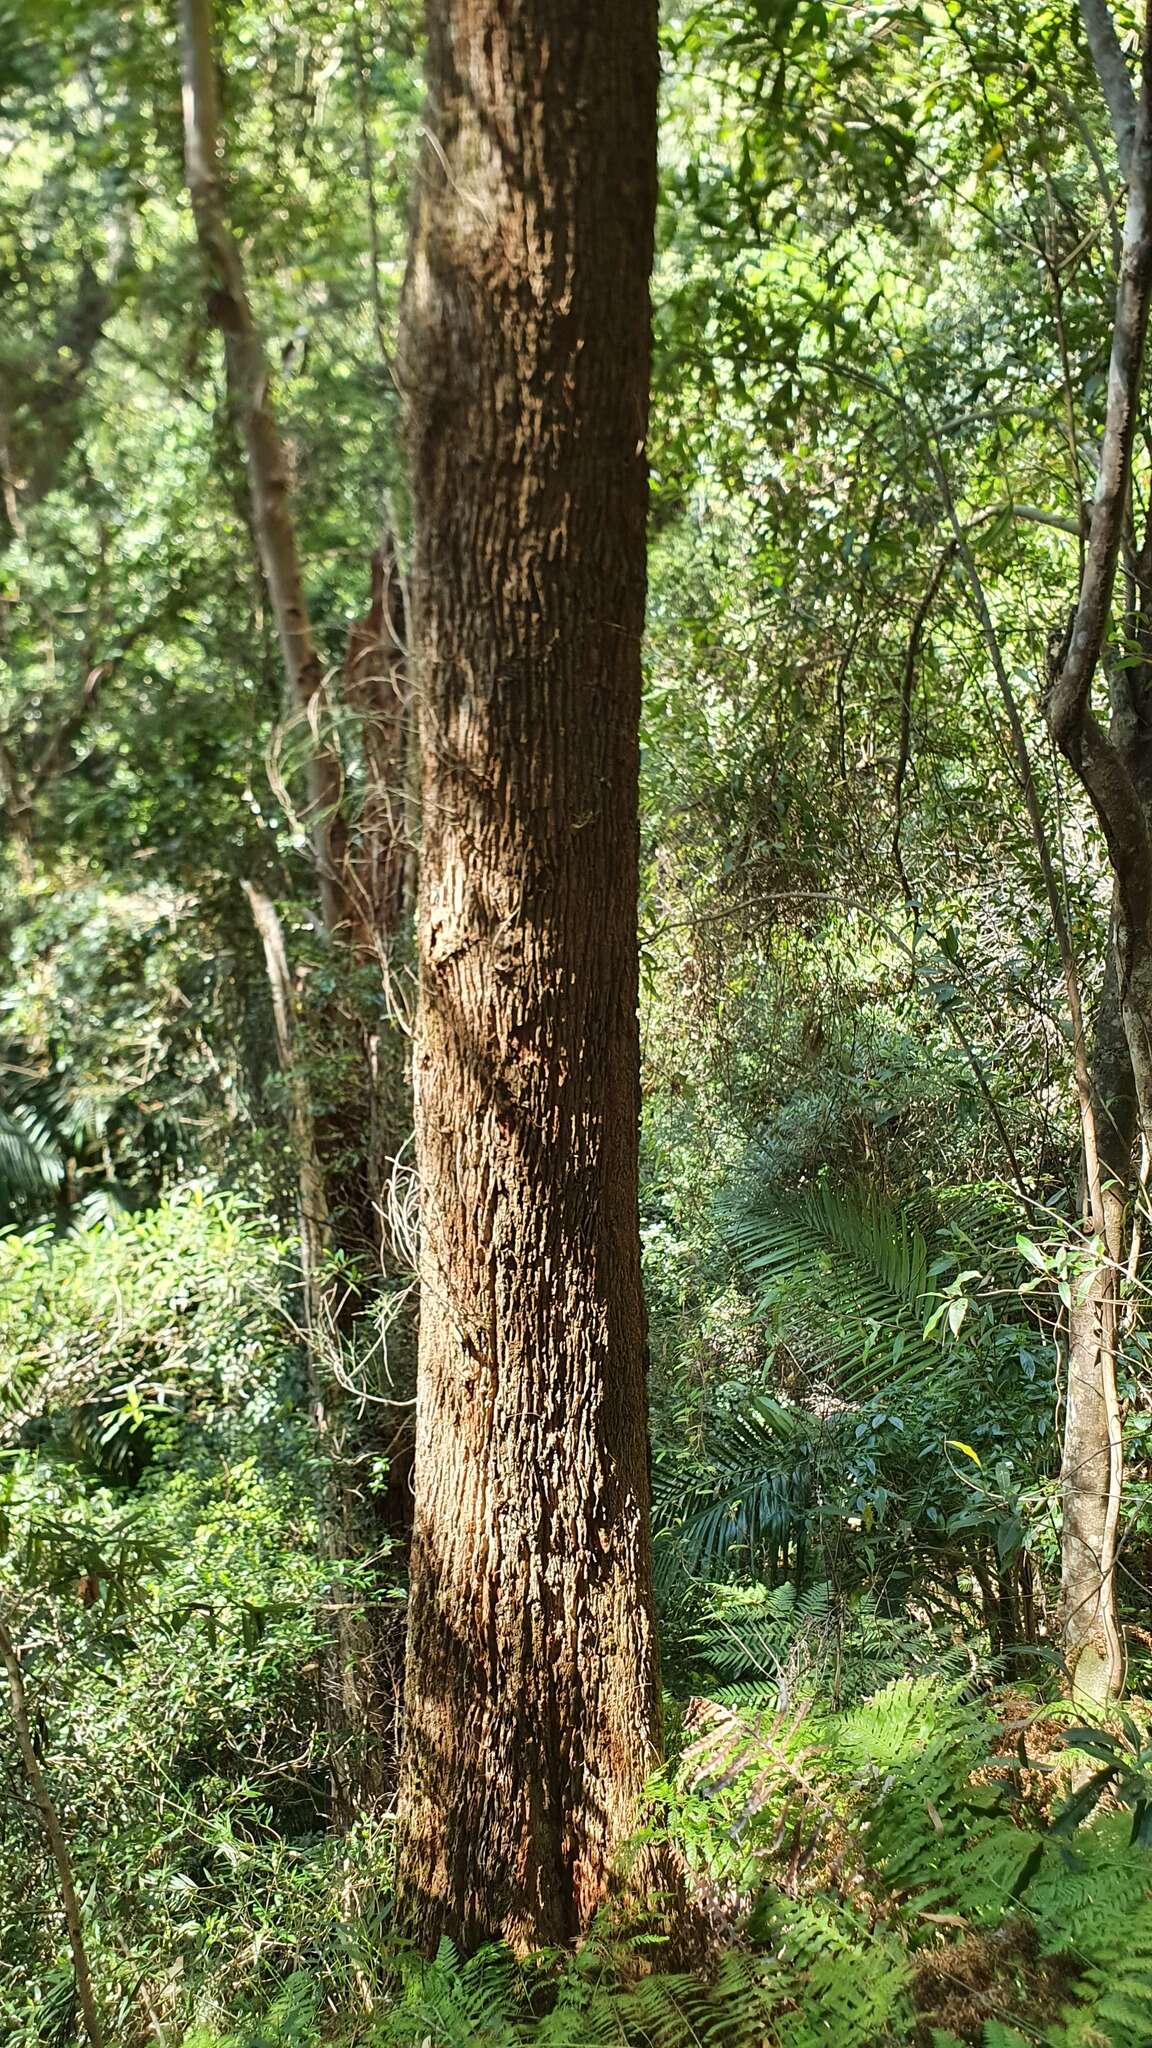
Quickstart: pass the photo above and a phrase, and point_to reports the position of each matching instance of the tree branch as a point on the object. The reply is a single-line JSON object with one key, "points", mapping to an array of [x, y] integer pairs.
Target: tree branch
{"points": [[1032, 515], [313, 1200], [1068, 704], [1112, 72], [18, 790], [908, 684]]}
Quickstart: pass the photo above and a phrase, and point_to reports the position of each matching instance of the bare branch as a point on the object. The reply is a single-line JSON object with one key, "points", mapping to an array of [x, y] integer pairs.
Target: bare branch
{"points": [[1032, 515], [908, 684], [56, 746], [313, 1200], [1057, 910]]}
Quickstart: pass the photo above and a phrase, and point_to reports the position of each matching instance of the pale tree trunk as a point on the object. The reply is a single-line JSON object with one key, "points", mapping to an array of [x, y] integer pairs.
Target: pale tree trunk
{"points": [[531, 1696], [356, 1709], [269, 472], [1109, 765], [313, 1221], [1092, 1466]]}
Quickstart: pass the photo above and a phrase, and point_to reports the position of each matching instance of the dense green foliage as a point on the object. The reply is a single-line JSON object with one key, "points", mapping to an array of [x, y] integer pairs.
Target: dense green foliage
{"points": [[883, 303]]}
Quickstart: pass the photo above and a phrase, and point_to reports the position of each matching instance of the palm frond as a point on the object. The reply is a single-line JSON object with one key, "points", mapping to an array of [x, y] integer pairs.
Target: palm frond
{"points": [[30, 1161], [864, 1266], [754, 1497]]}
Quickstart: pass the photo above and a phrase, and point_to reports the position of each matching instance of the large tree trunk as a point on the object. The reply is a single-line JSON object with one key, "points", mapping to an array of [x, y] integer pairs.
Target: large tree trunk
{"points": [[532, 1701], [1092, 1467]]}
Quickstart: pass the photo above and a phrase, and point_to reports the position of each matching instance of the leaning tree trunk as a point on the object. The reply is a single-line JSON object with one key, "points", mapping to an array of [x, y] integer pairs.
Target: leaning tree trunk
{"points": [[1092, 1465], [532, 1705]]}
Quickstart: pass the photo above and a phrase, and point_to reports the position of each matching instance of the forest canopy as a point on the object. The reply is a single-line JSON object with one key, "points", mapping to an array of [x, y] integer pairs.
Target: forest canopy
{"points": [[576, 1042]]}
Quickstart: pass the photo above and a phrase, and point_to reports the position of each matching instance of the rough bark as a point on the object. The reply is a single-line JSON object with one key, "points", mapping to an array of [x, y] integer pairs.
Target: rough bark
{"points": [[531, 1699], [269, 471]]}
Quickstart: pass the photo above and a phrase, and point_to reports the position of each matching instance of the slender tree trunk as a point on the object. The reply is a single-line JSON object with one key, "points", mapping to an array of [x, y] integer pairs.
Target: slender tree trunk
{"points": [[381, 877], [55, 1837], [269, 472], [312, 1200], [377, 688], [340, 1156], [532, 1700], [1109, 766], [1092, 1469]]}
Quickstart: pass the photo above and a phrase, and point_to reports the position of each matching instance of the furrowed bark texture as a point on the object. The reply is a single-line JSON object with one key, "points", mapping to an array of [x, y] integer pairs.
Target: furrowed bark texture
{"points": [[532, 1705]]}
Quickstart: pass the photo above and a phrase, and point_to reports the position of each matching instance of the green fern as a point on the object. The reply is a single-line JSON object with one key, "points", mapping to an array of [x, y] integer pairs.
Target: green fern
{"points": [[846, 1982], [864, 1264], [939, 1831], [460, 2004], [898, 1895], [773, 1646], [767, 1645], [753, 1499], [30, 1160]]}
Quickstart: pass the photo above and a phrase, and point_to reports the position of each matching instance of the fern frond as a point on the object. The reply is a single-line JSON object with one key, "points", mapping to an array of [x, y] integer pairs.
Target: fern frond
{"points": [[754, 1498], [870, 1261], [848, 1983], [30, 1160]]}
